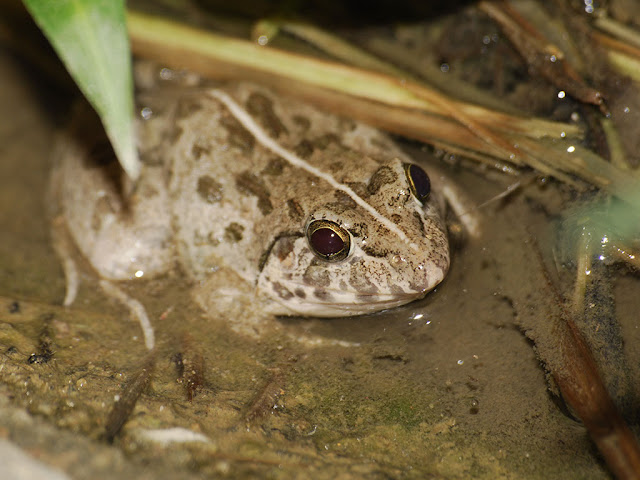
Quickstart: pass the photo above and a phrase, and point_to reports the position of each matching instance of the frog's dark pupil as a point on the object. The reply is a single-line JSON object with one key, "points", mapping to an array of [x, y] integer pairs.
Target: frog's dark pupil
{"points": [[420, 183], [329, 240], [326, 241]]}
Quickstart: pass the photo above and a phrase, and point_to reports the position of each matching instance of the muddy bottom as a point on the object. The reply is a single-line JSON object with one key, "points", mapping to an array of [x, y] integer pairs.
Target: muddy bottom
{"points": [[446, 387]]}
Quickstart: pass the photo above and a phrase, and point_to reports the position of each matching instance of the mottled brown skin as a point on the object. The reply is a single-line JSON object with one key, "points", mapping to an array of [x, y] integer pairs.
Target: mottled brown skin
{"points": [[233, 214]]}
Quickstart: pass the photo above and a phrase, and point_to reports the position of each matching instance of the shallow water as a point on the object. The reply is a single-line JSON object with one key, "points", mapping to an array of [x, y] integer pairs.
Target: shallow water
{"points": [[448, 386]]}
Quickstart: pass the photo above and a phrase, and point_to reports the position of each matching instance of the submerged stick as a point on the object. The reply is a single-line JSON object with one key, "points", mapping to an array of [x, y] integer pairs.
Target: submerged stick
{"points": [[540, 54], [570, 361], [126, 401], [583, 389]]}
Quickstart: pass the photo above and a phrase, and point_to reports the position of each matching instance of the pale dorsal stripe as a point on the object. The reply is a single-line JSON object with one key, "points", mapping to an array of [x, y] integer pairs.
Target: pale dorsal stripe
{"points": [[261, 136]]}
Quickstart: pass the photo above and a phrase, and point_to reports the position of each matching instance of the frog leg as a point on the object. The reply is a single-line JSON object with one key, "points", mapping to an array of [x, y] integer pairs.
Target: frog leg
{"points": [[455, 198], [123, 230], [136, 309], [63, 245]]}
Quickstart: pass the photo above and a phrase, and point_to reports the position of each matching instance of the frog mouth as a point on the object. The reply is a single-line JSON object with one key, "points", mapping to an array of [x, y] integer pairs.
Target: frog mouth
{"points": [[295, 288], [342, 304]]}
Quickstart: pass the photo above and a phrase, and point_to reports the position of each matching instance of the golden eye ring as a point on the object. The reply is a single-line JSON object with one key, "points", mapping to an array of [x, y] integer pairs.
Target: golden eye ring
{"points": [[419, 182], [328, 240]]}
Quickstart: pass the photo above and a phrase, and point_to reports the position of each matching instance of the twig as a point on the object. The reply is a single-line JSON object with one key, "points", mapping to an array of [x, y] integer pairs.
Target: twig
{"points": [[572, 365], [126, 401], [540, 54]]}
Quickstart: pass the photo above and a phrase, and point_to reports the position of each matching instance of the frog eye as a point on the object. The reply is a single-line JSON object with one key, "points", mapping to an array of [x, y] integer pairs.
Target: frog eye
{"points": [[328, 240], [419, 182]]}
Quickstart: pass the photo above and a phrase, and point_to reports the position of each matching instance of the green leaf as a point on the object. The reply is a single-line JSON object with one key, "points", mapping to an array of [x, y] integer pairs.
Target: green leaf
{"points": [[90, 36]]}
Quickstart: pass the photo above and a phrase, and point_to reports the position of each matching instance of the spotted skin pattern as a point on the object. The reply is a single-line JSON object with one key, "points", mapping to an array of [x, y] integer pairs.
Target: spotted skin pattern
{"points": [[232, 179]]}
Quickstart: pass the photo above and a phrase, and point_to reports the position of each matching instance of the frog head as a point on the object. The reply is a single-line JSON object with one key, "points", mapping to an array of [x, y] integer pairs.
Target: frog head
{"points": [[376, 249]]}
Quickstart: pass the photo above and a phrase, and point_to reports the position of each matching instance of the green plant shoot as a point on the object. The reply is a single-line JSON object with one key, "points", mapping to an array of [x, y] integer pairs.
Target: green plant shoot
{"points": [[90, 36]]}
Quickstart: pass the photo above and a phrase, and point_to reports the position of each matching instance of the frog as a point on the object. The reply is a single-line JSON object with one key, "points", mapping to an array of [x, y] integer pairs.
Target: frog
{"points": [[261, 199]]}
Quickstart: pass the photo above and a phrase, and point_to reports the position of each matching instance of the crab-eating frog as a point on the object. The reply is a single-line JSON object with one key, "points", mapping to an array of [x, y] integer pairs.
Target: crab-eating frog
{"points": [[253, 193]]}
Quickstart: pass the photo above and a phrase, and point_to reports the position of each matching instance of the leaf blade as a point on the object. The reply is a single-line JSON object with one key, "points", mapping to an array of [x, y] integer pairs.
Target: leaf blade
{"points": [[90, 36]]}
